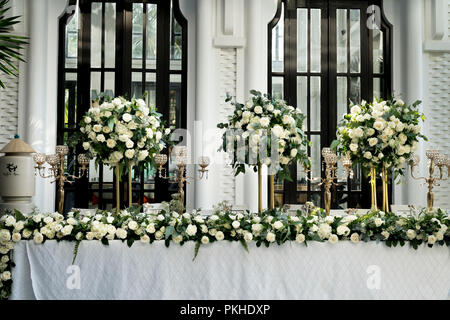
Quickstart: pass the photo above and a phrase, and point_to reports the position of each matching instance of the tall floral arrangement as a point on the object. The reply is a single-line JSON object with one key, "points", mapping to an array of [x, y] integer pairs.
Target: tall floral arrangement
{"points": [[380, 134], [123, 133], [262, 116]]}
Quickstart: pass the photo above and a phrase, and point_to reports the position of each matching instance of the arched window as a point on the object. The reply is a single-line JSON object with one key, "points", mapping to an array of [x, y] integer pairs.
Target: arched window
{"points": [[322, 55], [126, 47]]}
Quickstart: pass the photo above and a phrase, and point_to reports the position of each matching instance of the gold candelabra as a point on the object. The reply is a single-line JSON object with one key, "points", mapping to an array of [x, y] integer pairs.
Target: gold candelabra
{"points": [[58, 170], [435, 159], [330, 159], [180, 160]]}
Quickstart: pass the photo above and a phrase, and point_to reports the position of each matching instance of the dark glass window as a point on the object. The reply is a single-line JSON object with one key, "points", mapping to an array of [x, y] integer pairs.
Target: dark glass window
{"points": [[119, 48], [322, 56]]}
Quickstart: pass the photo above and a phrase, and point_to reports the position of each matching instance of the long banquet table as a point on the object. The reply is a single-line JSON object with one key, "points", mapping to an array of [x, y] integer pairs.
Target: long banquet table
{"points": [[226, 271]]}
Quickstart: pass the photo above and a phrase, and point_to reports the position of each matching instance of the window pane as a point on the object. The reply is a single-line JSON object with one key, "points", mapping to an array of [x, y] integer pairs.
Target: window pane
{"points": [[109, 84], [96, 34], [137, 40], [136, 85], [302, 39], [341, 39], [277, 87], [355, 90], [378, 66], [341, 97], [315, 103], [315, 40], [302, 184], [315, 162], [151, 36], [150, 88], [72, 41], [355, 41], [110, 35], [176, 35], [175, 100], [95, 85], [357, 178], [378, 88], [302, 97], [278, 44], [70, 100]]}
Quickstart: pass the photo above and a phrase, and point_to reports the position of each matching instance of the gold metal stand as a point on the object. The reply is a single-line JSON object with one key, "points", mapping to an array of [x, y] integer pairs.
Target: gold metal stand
{"points": [[259, 189], [58, 170], [385, 177], [435, 158], [130, 187], [373, 185], [271, 191], [116, 169]]}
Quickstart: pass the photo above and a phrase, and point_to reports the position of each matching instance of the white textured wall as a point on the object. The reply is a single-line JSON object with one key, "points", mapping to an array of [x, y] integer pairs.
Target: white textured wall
{"points": [[9, 98]]}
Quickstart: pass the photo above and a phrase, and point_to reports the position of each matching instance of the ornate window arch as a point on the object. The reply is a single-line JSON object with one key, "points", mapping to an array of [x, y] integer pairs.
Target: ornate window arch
{"points": [[119, 48], [321, 55]]}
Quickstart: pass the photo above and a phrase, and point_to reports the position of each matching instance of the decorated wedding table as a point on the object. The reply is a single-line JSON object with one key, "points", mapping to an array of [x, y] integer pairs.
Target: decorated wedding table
{"points": [[225, 255]]}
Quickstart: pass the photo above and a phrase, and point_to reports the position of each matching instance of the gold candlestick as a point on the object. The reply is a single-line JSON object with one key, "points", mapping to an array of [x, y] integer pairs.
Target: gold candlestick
{"points": [[180, 160], [373, 188], [58, 170], [435, 159]]}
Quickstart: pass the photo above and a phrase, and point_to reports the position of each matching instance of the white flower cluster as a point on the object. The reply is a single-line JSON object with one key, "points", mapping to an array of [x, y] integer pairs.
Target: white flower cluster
{"points": [[382, 133], [266, 228], [123, 131], [259, 120]]}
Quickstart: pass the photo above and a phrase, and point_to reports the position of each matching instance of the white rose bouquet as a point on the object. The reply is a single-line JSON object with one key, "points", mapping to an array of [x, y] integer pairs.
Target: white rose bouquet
{"points": [[256, 126], [380, 134], [123, 133]]}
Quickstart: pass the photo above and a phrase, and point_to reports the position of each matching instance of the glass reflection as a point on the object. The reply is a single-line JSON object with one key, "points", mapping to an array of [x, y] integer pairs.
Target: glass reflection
{"points": [[315, 40], [278, 44], [341, 39], [355, 41], [302, 40]]}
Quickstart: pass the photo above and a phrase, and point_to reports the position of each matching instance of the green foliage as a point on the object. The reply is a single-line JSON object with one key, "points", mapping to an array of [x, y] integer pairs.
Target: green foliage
{"points": [[10, 45]]}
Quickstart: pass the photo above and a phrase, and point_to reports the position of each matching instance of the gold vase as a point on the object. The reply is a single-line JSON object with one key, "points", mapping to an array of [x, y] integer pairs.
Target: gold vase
{"points": [[117, 171], [259, 189], [373, 187], [130, 187], [271, 191], [385, 177]]}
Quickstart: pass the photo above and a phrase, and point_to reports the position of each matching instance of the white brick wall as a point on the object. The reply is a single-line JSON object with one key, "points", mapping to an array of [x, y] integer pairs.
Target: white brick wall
{"points": [[227, 83], [8, 108], [438, 115]]}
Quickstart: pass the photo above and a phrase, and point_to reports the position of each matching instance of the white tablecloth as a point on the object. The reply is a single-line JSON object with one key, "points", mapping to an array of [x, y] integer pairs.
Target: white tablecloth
{"points": [[226, 271]]}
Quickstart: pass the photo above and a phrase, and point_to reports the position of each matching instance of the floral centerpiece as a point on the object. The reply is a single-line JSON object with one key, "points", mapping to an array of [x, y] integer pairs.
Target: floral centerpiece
{"points": [[380, 136], [267, 228], [265, 131], [123, 134]]}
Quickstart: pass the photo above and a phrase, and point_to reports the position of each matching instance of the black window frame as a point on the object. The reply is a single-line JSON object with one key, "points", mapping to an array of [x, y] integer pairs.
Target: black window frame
{"points": [[82, 190], [328, 109]]}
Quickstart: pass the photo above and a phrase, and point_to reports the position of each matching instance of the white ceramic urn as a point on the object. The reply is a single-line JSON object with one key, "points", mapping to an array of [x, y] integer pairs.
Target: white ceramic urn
{"points": [[17, 177]]}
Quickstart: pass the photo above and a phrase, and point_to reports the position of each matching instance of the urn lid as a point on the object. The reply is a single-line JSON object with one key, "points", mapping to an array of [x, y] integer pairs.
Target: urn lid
{"points": [[17, 145]]}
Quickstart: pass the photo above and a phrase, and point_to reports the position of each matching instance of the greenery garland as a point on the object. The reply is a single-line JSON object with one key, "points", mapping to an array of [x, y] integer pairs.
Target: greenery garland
{"points": [[270, 227]]}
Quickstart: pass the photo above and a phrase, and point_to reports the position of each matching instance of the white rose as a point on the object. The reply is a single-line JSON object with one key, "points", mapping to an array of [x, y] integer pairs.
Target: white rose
{"points": [[151, 228], [378, 222], [191, 230], [293, 153], [158, 135], [379, 125], [121, 233], [355, 109], [236, 224], [300, 238], [16, 237], [38, 238], [324, 230], [373, 141], [132, 225], [101, 138], [277, 130], [278, 225], [129, 144], [431, 239], [353, 147], [219, 236], [127, 117], [354, 238], [256, 227], [205, 240], [333, 238], [97, 128], [248, 236], [385, 234], [6, 275], [87, 119], [411, 234], [258, 110], [358, 132], [86, 145], [367, 155], [26, 233], [129, 153], [270, 237]]}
